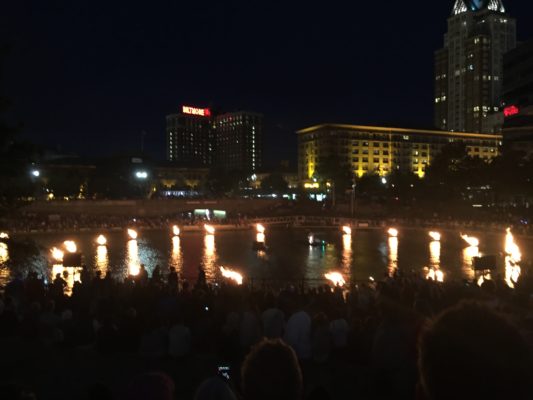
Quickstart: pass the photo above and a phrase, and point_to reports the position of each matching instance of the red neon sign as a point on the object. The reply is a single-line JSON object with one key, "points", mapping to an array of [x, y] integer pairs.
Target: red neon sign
{"points": [[202, 112], [510, 111]]}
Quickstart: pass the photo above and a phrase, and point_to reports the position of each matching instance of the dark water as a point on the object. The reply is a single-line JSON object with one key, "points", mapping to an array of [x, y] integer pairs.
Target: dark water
{"points": [[366, 253]]}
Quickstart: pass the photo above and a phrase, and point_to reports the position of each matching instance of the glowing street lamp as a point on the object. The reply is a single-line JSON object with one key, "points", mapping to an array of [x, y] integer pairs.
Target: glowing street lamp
{"points": [[141, 174], [36, 173], [132, 234]]}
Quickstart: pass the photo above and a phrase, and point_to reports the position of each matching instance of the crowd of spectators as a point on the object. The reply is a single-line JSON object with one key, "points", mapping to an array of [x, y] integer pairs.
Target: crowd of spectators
{"points": [[160, 337]]}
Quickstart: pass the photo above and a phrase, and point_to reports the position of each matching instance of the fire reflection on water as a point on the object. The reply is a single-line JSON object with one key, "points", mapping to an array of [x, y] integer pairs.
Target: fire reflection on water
{"points": [[176, 259], [209, 258], [393, 255], [132, 256], [102, 259], [346, 253]]}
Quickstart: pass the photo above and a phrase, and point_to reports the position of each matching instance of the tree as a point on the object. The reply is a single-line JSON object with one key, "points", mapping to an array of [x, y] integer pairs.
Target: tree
{"points": [[274, 183], [331, 169], [15, 159]]}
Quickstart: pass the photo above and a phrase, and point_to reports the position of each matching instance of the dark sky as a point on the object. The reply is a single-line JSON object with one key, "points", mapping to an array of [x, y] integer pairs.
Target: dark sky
{"points": [[90, 76]]}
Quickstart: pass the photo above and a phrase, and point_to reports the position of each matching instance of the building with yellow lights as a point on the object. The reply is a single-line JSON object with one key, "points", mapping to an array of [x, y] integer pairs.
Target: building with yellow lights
{"points": [[380, 150]]}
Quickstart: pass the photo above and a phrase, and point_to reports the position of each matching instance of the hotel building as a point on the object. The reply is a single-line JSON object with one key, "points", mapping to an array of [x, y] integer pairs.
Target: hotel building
{"points": [[239, 141], [190, 137], [380, 150], [469, 68]]}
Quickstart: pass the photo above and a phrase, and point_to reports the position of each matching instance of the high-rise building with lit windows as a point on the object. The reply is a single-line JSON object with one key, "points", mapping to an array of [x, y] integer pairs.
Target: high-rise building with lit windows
{"points": [[190, 137], [239, 141], [469, 68], [381, 150]]}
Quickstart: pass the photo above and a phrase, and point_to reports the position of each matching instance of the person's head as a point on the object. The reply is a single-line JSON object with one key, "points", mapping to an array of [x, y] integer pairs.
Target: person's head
{"points": [[153, 386], [271, 371], [471, 352], [214, 389]]}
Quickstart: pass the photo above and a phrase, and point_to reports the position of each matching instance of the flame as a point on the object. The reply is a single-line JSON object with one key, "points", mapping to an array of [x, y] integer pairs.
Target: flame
{"points": [[260, 228], [347, 230], [101, 240], [336, 278], [209, 229], [512, 259], [4, 235], [233, 275], [70, 245], [483, 278], [435, 236], [132, 234], [4, 253], [472, 241], [57, 254], [393, 232], [176, 230], [435, 274]]}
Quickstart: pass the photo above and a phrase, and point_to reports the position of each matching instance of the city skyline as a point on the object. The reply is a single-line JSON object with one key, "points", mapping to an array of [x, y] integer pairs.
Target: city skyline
{"points": [[80, 75]]}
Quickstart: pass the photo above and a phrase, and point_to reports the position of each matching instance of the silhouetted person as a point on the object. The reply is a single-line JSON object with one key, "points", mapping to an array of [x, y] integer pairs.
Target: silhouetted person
{"points": [[58, 286], [470, 352], [271, 371], [201, 282], [153, 386], [85, 275], [156, 274], [142, 278], [173, 278]]}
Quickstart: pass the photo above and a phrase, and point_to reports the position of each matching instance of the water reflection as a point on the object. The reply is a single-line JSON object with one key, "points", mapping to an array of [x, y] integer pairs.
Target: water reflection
{"points": [[434, 272], [513, 256], [393, 255], [69, 274], [176, 260], [4, 257], [434, 254], [102, 259], [260, 237], [209, 258], [132, 256], [4, 253], [469, 254], [346, 253]]}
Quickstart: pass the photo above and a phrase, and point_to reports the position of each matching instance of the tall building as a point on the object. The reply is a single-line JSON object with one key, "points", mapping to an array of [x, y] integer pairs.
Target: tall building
{"points": [[381, 150], [469, 68], [190, 137], [239, 141], [518, 97]]}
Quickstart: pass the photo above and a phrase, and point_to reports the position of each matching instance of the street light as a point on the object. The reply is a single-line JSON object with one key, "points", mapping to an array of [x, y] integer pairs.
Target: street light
{"points": [[141, 174], [36, 173]]}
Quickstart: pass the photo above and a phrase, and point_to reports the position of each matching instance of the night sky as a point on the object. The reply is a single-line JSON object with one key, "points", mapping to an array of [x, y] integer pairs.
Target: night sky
{"points": [[89, 76]]}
